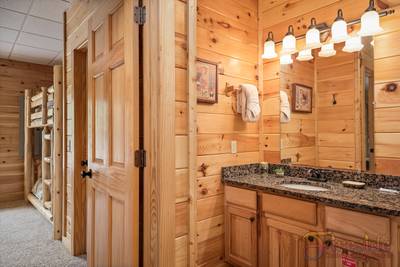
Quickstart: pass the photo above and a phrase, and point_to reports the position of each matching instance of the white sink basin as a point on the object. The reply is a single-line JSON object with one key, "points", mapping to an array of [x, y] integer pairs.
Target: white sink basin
{"points": [[305, 187]]}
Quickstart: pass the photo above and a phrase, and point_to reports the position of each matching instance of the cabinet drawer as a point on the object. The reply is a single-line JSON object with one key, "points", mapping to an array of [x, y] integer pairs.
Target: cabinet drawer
{"points": [[357, 224], [242, 197], [289, 208]]}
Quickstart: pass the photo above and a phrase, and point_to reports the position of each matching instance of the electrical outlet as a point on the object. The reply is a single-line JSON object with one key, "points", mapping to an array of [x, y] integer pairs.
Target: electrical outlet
{"points": [[234, 147]]}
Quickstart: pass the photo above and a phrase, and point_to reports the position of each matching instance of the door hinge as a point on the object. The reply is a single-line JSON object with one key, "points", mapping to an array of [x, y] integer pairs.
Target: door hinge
{"points": [[140, 158], [140, 14]]}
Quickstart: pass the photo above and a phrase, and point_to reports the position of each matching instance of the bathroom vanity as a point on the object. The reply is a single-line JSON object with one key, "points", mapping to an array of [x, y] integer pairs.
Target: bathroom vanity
{"points": [[273, 220]]}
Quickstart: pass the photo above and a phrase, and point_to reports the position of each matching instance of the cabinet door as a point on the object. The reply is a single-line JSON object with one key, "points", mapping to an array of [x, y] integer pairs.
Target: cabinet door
{"points": [[241, 236], [284, 245], [344, 253]]}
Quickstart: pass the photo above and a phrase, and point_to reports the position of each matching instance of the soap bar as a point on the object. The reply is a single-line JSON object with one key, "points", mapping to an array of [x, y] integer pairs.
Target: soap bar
{"points": [[353, 184]]}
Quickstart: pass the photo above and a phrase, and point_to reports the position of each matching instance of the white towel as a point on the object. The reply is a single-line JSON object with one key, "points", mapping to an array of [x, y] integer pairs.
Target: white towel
{"points": [[248, 103], [285, 107]]}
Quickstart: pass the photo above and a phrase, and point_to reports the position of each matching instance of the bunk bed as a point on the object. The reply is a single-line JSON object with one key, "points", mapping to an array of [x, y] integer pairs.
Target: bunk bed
{"points": [[43, 175]]}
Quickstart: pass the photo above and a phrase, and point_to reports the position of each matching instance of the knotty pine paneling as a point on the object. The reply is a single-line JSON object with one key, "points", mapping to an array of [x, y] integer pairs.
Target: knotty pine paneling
{"points": [[226, 34], [387, 103], [15, 77], [181, 137], [336, 123]]}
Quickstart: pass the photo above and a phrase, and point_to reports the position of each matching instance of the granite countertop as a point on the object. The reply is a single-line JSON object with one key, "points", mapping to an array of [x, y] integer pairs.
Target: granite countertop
{"points": [[369, 200]]}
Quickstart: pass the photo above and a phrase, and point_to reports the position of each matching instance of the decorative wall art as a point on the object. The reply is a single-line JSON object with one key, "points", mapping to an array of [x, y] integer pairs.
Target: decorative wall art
{"points": [[207, 81], [302, 98]]}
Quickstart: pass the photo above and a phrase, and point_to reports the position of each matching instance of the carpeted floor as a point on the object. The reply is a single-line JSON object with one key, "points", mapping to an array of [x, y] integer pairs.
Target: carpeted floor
{"points": [[25, 239]]}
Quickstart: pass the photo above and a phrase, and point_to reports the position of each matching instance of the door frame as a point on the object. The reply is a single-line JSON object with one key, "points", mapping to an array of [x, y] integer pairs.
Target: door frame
{"points": [[159, 131]]}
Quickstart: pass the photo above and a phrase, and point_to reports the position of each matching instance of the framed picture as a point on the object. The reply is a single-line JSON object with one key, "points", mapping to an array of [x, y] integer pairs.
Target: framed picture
{"points": [[302, 98], [207, 81]]}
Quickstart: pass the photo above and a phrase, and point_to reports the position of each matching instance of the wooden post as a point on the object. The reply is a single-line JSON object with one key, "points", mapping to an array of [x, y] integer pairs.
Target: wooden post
{"points": [[28, 146], [57, 152], [191, 18]]}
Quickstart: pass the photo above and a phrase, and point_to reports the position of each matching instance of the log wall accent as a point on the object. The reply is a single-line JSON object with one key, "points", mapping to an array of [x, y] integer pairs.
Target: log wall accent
{"points": [[226, 34], [15, 77], [387, 103]]}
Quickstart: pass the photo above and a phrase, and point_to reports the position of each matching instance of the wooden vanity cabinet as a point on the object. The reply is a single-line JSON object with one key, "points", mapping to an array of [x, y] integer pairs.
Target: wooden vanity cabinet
{"points": [[274, 231], [241, 227], [285, 245]]}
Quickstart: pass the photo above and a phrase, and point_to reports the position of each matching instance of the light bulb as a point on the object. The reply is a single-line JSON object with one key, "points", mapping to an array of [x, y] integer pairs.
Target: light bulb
{"points": [[286, 59], [370, 24], [313, 39], [327, 50], [353, 44], [339, 29], [269, 47], [289, 42], [305, 55]]}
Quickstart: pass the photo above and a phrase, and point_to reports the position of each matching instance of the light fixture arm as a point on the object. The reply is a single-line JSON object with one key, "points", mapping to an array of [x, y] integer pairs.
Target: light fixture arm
{"points": [[382, 13], [371, 6]]}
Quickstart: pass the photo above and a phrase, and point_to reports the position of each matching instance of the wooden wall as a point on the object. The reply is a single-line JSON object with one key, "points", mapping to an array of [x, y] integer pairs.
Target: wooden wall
{"points": [[181, 137], [338, 125], [226, 34], [298, 136], [276, 16], [15, 77], [387, 104]]}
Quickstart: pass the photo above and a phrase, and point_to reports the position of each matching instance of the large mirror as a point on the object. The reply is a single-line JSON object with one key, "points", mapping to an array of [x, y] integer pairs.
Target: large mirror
{"points": [[327, 110]]}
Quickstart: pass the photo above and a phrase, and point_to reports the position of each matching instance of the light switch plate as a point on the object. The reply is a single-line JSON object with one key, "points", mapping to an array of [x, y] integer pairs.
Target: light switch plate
{"points": [[234, 147]]}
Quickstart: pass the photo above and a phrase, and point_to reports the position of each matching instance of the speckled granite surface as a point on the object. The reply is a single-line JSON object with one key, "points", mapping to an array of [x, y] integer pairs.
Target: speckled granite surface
{"points": [[369, 199]]}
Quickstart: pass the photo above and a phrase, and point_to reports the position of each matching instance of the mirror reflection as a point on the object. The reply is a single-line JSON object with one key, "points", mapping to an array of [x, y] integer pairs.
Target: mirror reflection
{"points": [[327, 111]]}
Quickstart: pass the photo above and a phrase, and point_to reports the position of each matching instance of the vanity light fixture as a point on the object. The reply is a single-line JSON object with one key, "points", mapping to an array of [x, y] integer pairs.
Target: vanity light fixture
{"points": [[339, 28], [269, 47], [305, 55], [286, 59], [353, 44], [313, 38], [370, 21], [327, 50], [289, 42]]}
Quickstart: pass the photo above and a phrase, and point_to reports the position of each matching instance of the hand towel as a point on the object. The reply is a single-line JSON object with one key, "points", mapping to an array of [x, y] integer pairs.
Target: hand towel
{"points": [[248, 103], [285, 107]]}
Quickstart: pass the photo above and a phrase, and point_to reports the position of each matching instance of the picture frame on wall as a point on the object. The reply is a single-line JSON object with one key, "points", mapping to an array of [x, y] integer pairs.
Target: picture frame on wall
{"points": [[302, 98], [207, 81]]}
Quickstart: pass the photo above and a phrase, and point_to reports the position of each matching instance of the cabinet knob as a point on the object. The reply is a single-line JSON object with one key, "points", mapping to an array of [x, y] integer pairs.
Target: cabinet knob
{"points": [[328, 243], [310, 238], [252, 219]]}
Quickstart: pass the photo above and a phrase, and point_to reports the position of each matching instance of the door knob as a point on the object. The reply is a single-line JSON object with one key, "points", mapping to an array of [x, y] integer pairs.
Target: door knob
{"points": [[88, 173]]}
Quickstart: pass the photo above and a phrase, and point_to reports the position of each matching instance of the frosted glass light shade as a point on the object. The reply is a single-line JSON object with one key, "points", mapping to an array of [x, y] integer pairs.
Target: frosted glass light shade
{"points": [[370, 24], [288, 45], [313, 39], [286, 59], [339, 31], [353, 44], [327, 50], [269, 50], [305, 55]]}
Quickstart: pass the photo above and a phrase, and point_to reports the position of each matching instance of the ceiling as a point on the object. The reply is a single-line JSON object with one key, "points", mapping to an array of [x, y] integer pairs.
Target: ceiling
{"points": [[32, 30]]}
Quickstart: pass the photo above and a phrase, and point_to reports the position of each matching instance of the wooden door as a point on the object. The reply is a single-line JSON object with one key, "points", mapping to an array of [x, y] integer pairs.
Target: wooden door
{"points": [[241, 236], [113, 189], [285, 245], [348, 253]]}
